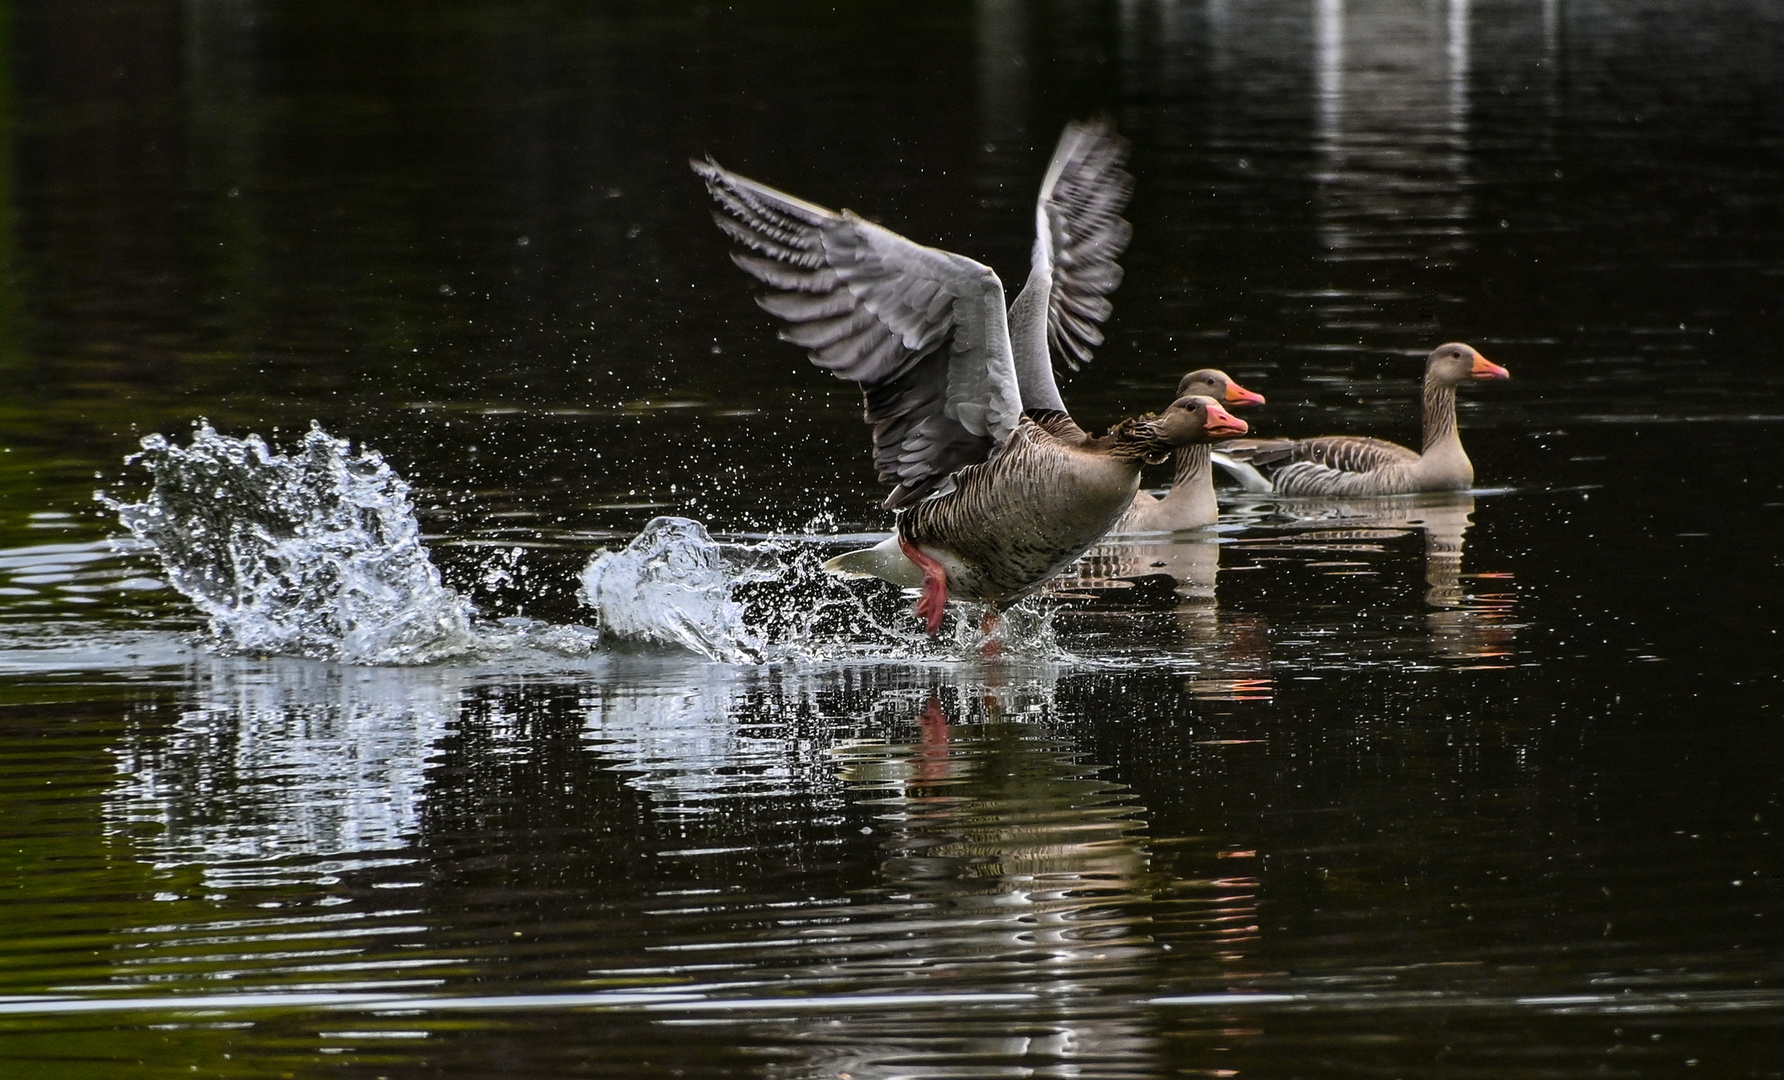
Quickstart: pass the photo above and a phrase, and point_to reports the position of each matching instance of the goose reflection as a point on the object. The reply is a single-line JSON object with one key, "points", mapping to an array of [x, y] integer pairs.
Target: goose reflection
{"points": [[1006, 865], [1002, 841], [1001, 862], [1174, 573], [1178, 570], [1464, 623]]}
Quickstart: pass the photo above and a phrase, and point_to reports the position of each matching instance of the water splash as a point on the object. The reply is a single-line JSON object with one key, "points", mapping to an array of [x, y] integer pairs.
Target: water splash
{"points": [[738, 603], [315, 554], [773, 600], [318, 554], [669, 586]]}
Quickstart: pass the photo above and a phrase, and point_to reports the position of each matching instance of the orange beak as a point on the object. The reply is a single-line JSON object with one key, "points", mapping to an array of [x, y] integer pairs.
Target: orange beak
{"points": [[1238, 395], [1222, 424], [1486, 369]]}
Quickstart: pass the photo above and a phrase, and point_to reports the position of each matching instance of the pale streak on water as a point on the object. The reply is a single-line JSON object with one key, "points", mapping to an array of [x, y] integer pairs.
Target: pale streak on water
{"points": [[1476, 784]]}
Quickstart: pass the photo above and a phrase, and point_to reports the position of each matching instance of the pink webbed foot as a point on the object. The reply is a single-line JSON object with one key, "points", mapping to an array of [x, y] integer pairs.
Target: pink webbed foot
{"points": [[934, 602]]}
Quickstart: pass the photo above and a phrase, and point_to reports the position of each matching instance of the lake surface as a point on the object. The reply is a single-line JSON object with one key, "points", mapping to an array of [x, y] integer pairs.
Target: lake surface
{"points": [[1483, 785]]}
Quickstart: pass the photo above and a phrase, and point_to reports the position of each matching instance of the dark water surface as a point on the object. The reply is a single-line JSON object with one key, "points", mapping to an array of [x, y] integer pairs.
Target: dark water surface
{"points": [[1472, 786]]}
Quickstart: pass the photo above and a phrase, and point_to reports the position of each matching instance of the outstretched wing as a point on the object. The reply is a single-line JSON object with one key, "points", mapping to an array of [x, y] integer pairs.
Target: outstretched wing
{"points": [[1080, 233], [923, 331]]}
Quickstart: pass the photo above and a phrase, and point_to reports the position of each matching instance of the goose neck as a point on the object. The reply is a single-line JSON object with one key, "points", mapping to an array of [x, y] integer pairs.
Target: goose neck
{"points": [[1440, 413], [1193, 466], [1135, 439]]}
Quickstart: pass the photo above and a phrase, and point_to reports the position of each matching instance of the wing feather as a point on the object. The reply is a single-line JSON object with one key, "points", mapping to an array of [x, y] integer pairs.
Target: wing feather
{"points": [[1079, 219], [802, 307], [1079, 236], [1330, 464], [1351, 453], [782, 276], [922, 330]]}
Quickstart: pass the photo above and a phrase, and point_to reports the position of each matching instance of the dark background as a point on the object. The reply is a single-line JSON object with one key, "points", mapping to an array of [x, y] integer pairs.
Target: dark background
{"points": [[1526, 833]]}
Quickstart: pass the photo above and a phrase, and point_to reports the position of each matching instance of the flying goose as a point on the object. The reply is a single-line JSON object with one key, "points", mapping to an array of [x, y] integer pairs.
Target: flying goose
{"points": [[1190, 502], [998, 488], [1350, 465]]}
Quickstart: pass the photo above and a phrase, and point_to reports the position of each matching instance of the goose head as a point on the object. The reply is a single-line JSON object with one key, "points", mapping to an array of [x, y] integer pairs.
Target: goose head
{"points": [[1218, 385], [1456, 363], [1196, 418]]}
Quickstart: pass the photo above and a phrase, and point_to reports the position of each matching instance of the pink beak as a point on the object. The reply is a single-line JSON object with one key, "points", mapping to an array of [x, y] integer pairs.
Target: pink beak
{"points": [[1222, 424], [1486, 369]]}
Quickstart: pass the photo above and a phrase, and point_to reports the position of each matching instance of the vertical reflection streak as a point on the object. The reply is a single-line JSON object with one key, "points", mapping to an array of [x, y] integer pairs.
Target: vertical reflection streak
{"points": [[1328, 39], [1127, 37], [1551, 70], [1458, 75], [1218, 17], [1392, 135], [1003, 70]]}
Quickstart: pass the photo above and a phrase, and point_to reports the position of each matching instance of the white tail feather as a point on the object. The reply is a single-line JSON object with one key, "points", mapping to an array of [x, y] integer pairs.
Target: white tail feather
{"points": [[1244, 474]]}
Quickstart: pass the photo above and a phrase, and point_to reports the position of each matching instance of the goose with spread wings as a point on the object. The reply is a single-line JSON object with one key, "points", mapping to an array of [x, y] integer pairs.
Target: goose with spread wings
{"points": [[997, 488], [1351, 465]]}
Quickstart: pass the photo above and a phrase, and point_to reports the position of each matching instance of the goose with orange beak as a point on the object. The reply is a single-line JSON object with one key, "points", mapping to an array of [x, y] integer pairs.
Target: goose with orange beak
{"points": [[1190, 503], [996, 488], [1351, 465]]}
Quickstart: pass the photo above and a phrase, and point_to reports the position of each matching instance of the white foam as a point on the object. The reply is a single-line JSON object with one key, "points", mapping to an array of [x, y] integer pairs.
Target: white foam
{"points": [[772, 600], [314, 554], [670, 586]]}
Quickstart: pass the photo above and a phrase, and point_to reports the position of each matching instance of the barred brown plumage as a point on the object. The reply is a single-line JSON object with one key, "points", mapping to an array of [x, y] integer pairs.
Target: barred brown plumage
{"points": [[998, 489], [1349, 465]]}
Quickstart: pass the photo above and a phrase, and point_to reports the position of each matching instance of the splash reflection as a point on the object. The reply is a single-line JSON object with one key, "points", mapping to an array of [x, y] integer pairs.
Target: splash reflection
{"points": [[682, 742], [976, 848], [1002, 862], [276, 770]]}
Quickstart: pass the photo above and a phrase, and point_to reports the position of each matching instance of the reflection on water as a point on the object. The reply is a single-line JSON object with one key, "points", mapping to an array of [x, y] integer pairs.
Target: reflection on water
{"points": [[1187, 562], [282, 770], [1166, 588], [990, 856], [1003, 71], [1345, 538], [1392, 92], [1169, 585], [1455, 832], [1004, 860], [712, 734]]}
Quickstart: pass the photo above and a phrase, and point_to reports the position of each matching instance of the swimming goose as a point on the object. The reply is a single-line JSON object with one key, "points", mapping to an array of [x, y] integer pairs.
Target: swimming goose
{"points": [[1349, 465], [998, 488], [1190, 502]]}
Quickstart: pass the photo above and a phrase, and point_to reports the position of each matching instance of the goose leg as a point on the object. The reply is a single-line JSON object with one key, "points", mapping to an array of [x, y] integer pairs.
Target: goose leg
{"points": [[934, 602], [988, 624]]}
